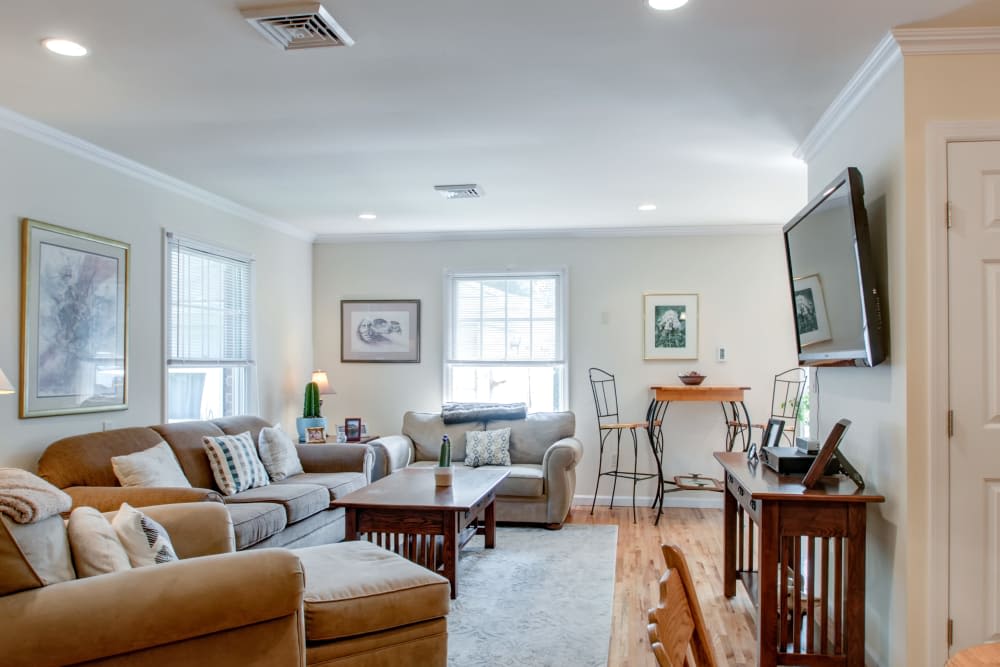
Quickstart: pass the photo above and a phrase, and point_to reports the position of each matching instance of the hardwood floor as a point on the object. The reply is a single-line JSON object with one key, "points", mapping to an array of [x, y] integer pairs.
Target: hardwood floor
{"points": [[698, 532]]}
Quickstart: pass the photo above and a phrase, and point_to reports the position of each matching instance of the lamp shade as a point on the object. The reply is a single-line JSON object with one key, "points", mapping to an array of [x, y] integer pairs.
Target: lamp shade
{"points": [[5, 386], [323, 382]]}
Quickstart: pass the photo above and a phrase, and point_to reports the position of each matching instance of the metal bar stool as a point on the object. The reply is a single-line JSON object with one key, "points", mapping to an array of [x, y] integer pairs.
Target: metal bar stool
{"points": [[602, 384], [786, 397]]}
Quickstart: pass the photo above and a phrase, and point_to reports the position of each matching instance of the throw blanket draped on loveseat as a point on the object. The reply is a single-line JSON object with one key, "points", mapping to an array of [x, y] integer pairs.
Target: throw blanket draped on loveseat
{"points": [[456, 413]]}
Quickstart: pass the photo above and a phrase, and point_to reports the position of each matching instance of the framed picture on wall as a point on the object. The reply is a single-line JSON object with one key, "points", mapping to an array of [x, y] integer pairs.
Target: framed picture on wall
{"points": [[380, 331], [74, 321], [810, 311], [670, 326]]}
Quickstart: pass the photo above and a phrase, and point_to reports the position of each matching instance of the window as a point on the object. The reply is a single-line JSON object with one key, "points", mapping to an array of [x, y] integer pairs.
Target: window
{"points": [[506, 339], [209, 344]]}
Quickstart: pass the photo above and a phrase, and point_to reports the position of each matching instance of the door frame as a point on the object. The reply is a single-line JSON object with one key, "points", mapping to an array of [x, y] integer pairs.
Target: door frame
{"points": [[939, 135]]}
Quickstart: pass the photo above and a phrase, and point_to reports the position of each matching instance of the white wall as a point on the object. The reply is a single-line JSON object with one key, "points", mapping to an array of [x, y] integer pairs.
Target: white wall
{"points": [[44, 183], [874, 399], [744, 302]]}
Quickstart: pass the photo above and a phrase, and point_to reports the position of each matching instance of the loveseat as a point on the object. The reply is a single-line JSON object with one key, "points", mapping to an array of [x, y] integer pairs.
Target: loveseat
{"points": [[544, 453], [294, 512], [351, 604]]}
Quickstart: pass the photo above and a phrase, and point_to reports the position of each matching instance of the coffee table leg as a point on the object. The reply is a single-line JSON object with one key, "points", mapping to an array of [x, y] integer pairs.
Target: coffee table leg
{"points": [[490, 519], [351, 529], [450, 551]]}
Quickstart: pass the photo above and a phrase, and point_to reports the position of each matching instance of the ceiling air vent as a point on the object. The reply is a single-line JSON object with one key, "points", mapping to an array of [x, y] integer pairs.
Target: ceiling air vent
{"points": [[297, 26], [469, 191]]}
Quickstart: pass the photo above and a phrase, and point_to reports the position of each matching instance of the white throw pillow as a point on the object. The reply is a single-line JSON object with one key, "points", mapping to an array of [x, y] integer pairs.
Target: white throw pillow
{"points": [[487, 448], [95, 545], [278, 453], [235, 463], [145, 541], [156, 466]]}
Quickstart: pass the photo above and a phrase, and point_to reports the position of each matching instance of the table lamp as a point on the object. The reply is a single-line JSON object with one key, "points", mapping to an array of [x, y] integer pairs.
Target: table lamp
{"points": [[5, 386]]}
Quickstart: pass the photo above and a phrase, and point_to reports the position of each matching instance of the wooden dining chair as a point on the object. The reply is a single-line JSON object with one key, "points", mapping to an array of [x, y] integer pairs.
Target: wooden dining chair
{"points": [[677, 631]]}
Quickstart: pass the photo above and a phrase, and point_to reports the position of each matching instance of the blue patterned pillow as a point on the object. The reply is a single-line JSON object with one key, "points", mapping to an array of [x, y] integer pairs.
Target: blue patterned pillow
{"points": [[235, 463], [487, 448]]}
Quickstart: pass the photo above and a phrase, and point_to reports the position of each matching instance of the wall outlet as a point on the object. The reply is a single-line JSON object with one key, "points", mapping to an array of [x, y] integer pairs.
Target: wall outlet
{"points": [[105, 426], [721, 353]]}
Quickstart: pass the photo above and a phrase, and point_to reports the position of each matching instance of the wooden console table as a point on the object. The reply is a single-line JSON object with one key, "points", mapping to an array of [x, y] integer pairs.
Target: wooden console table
{"points": [[796, 624]]}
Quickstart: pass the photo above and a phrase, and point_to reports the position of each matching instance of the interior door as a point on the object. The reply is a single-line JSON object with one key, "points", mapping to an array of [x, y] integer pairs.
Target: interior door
{"points": [[974, 392]]}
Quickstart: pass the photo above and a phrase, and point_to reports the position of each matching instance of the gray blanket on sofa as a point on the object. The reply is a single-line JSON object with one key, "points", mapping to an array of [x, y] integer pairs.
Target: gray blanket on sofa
{"points": [[456, 413]]}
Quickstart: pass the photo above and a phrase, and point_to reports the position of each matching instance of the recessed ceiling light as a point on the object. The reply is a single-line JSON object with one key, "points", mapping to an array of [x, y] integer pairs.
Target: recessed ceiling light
{"points": [[64, 47], [665, 5], [367, 216], [647, 207]]}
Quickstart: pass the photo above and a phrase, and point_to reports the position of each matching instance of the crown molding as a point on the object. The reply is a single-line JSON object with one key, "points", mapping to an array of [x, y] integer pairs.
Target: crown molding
{"points": [[50, 136], [884, 57], [948, 41], [574, 233]]}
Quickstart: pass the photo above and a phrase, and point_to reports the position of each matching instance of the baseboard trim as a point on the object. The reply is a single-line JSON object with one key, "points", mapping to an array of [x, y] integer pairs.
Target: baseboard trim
{"points": [[697, 500]]}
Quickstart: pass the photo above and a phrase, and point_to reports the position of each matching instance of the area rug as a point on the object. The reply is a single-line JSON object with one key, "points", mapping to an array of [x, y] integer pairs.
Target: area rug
{"points": [[541, 598]]}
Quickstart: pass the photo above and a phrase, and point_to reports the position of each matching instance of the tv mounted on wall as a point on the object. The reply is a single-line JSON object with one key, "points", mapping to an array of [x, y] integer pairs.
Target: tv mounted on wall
{"points": [[835, 299]]}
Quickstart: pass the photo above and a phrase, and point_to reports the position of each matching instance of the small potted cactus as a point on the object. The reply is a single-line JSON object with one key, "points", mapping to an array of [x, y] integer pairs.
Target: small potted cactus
{"points": [[310, 412], [443, 472]]}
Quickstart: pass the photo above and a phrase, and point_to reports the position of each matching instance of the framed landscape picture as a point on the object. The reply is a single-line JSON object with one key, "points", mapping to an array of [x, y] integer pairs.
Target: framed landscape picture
{"points": [[74, 321], [670, 326], [810, 311], [380, 331]]}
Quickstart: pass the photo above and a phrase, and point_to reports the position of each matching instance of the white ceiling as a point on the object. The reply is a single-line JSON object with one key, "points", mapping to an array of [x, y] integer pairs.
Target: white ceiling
{"points": [[569, 113]]}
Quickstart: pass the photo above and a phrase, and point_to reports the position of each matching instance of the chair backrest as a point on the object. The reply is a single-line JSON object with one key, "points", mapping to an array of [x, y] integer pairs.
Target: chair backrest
{"points": [[602, 383], [676, 624], [786, 397]]}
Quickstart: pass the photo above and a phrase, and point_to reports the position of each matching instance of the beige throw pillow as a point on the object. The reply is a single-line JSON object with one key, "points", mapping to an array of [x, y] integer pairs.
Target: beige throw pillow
{"points": [[278, 453], [145, 541], [156, 466], [95, 545], [33, 555]]}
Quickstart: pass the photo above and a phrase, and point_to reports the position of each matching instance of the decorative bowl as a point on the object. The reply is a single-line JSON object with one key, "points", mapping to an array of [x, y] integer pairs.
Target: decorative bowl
{"points": [[692, 379]]}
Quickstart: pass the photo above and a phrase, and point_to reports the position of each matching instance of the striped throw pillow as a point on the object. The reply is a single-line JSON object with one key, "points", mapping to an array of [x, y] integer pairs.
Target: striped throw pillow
{"points": [[235, 463]]}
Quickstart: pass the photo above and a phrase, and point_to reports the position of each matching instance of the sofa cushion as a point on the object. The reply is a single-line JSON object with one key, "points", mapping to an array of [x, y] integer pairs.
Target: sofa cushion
{"points": [[532, 436], [255, 522], [487, 448], [338, 483], [235, 463], [300, 501], [278, 453], [95, 544], [425, 430], [355, 588], [155, 467], [525, 480], [240, 424], [85, 460], [33, 555], [185, 439]]}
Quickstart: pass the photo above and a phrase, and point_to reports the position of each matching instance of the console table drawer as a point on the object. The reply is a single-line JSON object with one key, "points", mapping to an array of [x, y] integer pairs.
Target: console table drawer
{"points": [[743, 496]]}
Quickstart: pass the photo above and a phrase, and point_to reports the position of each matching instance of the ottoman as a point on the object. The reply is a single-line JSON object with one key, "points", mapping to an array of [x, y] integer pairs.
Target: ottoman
{"points": [[366, 606]]}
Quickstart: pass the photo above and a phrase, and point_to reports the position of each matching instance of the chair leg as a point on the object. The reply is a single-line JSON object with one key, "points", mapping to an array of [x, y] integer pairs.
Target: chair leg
{"points": [[635, 469], [600, 470], [618, 461]]}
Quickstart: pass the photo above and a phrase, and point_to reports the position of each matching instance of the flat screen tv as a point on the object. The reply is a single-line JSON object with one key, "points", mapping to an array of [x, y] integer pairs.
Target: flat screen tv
{"points": [[835, 299]]}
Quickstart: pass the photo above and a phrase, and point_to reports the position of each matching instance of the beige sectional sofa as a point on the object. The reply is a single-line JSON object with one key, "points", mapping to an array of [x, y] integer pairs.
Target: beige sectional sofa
{"points": [[295, 512], [544, 453]]}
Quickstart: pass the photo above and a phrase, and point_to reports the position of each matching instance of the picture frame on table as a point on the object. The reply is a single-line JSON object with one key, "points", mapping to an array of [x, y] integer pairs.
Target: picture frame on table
{"points": [[670, 326], [74, 321], [315, 435], [352, 429], [826, 453], [811, 321], [380, 331]]}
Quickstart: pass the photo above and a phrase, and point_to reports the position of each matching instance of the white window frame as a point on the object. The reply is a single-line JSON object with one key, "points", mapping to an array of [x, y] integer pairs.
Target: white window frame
{"points": [[562, 317], [250, 364]]}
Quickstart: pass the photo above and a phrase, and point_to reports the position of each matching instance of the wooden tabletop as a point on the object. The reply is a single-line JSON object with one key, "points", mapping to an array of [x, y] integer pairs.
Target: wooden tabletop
{"points": [[701, 392], [765, 484], [977, 656], [414, 488]]}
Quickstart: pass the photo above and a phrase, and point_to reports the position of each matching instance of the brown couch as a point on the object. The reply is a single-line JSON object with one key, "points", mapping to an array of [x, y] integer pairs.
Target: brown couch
{"points": [[351, 604], [295, 512]]}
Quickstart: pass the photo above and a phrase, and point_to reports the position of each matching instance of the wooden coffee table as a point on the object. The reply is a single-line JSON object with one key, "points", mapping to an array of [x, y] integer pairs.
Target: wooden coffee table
{"points": [[406, 513]]}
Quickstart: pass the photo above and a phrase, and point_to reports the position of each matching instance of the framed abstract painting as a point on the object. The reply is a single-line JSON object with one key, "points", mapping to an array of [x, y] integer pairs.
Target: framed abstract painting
{"points": [[74, 321]]}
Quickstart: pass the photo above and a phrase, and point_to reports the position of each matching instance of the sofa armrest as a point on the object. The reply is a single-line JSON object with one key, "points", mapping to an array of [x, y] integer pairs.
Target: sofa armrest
{"points": [[392, 453], [114, 614], [337, 458], [195, 529], [559, 467], [108, 498]]}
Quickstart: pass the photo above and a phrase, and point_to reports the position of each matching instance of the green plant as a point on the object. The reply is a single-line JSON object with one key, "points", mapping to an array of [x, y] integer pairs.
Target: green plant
{"points": [[444, 458], [310, 408]]}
